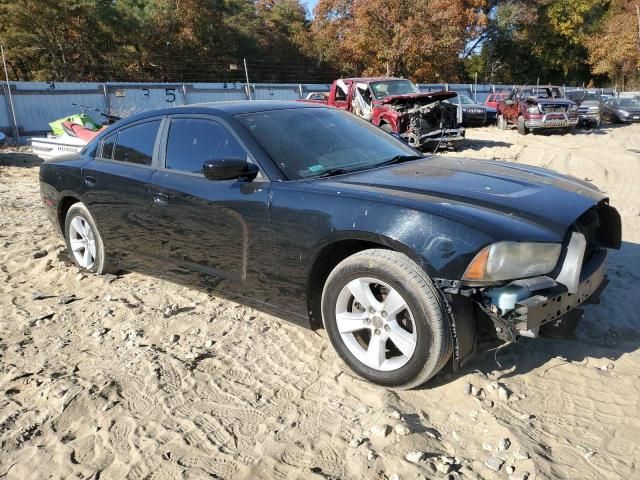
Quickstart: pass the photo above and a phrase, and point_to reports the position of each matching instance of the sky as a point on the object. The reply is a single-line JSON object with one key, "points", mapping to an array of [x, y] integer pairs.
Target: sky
{"points": [[309, 4]]}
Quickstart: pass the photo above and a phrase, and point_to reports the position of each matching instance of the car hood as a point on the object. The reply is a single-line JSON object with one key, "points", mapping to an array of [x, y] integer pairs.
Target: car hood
{"points": [[411, 98], [446, 185], [590, 103], [634, 110]]}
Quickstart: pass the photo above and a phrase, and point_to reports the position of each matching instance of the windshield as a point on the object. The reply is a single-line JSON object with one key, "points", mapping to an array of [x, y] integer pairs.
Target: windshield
{"points": [[464, 100], [580, 96], [541, 92], [393, 87], [628, 102], [307, 142]]}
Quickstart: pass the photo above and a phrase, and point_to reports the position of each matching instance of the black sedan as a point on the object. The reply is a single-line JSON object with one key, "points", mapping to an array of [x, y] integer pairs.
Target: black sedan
{"points": [[621, 110], [317, 216], [474, 113]]}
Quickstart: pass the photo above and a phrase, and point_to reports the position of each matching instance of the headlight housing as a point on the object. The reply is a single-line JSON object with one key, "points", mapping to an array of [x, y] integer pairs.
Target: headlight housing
{"points": [[623, 112], [533, 109], [512, 260], [573, 108]]}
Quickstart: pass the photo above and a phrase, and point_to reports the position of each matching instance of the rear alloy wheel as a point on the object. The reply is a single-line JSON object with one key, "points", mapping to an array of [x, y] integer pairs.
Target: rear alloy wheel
{"points": [[522, 128], [502, 122], [83, 240], [386, 319]]}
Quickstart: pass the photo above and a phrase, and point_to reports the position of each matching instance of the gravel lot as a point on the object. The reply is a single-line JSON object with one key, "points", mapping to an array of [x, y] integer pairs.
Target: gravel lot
{"points": [[132, 377]]}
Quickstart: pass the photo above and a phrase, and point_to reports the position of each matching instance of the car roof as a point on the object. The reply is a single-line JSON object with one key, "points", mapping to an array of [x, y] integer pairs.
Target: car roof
{"points": [[226, 108], [539, 86], [371, 79]]}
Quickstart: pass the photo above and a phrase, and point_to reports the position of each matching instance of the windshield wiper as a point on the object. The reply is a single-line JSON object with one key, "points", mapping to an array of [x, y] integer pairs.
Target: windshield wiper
{"points": [[400, 159], [333, 171]]}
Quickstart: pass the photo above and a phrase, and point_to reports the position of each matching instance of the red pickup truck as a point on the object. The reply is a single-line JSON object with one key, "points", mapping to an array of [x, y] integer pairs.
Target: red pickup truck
{"points": [[533, 108], [396, 105]]}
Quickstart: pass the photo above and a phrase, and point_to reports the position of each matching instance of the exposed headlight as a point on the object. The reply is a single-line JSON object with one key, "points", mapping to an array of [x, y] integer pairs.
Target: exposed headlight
{"points": [[623, 112], [533, 109], [512, 260]]}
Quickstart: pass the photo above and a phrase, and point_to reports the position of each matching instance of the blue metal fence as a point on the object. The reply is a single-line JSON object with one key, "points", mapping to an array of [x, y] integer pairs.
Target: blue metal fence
{"points": [[37, 103]]}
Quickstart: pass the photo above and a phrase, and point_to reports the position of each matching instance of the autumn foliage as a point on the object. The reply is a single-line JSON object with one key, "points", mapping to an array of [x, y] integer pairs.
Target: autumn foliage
{"points": [[511, 41]]}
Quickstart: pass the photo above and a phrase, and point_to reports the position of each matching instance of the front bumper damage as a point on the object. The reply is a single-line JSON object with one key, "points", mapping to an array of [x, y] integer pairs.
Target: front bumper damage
{"points": [[551, 120], [445, 136], [555, 305], [547, 305]]}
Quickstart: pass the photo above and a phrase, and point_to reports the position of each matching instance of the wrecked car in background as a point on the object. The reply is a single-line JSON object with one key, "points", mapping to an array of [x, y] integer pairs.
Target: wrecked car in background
{"points": [[533, 108], [473, 113], [396, 105], [589, 107]]}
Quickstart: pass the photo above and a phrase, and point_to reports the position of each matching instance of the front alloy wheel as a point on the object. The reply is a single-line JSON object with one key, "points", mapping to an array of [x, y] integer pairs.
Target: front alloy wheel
{"points": [[386, 319], [375, 324]]}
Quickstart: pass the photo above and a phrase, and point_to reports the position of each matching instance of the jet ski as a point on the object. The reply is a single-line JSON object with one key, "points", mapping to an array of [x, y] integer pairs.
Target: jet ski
{"points": [[70, 134]]}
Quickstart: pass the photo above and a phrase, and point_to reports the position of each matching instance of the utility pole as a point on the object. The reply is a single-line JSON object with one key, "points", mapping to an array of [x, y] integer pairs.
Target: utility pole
{"points": [[475, 90], [246, 74], [638, 14], [16, 133]]}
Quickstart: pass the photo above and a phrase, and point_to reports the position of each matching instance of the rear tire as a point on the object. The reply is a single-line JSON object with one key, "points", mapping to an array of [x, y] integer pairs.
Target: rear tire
{"points": [[394, 330], [522, 129], [83, 240]]}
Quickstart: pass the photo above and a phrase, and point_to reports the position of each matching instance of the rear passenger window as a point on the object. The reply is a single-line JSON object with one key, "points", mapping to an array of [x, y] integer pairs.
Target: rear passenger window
{"points": [[107, 146], [193, 141], [135, 144]]}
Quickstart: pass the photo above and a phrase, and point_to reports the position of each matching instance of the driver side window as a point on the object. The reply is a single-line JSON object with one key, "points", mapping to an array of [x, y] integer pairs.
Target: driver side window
{"points": [[193, 141]]}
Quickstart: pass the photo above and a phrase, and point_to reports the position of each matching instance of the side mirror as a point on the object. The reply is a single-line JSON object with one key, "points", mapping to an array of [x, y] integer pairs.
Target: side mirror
{"points": [[229, 169]]}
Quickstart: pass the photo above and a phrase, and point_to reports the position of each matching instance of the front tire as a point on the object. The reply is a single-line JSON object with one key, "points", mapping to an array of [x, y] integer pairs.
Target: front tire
{"points": [[386, 319], [502, 122], [83, 240], [522, 129]]}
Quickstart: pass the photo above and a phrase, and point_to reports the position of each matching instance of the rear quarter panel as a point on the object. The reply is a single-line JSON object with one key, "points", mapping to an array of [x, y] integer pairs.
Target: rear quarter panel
{"points": [[60, 178]]}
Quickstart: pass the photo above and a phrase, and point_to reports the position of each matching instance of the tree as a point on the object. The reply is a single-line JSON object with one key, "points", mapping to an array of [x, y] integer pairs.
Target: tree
{"points": [[615, 49], [417, 39]]}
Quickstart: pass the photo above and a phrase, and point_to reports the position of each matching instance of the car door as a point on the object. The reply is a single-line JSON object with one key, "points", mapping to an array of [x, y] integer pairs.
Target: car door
{"points": [[116, 190], [214, 233], [342, 99], [511, 107]]}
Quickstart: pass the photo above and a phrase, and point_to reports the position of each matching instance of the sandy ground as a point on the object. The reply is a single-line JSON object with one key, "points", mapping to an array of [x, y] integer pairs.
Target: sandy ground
{"points": [[132, 377]]}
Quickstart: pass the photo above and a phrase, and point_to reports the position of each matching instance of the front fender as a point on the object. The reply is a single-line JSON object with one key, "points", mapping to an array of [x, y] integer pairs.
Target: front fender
{"points": [[442, 247]]}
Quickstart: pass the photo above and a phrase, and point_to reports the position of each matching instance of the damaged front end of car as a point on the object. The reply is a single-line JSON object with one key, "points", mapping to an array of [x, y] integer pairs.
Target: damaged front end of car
{"points": [[534, 289], [427, 120]]}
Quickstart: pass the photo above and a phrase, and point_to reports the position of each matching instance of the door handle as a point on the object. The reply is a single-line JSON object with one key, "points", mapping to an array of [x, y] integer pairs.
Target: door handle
{"points": [[160, 198], [90, 181]]}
